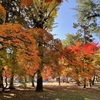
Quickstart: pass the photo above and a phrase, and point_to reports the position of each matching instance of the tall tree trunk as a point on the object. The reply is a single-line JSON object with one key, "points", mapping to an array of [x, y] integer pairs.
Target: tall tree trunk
{"points": [[6, 82], [93, 80], [25, 79], [32, 80], [39, 86], [1, 82], [84, 83], [11, 81], [67, 79], [90, 82], [59, 80]]}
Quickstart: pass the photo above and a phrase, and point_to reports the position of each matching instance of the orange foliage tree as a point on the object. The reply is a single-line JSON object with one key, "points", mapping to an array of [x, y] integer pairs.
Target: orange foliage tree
{"points": [[47, 47], [20, 49], [54, 68]]}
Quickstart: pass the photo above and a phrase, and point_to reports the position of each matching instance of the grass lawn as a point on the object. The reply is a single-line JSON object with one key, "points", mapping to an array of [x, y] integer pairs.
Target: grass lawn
{"points": [[52, 92]]}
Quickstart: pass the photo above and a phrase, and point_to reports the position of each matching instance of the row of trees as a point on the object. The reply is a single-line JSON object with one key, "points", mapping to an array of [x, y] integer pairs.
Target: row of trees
{"points": [[27, 48], [30, 47], [88, 13]]}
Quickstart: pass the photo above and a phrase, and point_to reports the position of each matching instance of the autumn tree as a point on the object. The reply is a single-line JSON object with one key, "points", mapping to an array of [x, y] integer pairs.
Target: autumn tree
{"points": [[20, 48], [55, 54], [41, 14], [97, 64], [31, 13], [81, 63], [47, 47], [87, 17], [35, 14]]}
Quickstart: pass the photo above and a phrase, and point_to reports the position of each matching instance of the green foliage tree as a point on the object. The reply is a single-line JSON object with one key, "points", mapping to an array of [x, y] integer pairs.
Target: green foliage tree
{"points": [[71, 39], [88, 13]]}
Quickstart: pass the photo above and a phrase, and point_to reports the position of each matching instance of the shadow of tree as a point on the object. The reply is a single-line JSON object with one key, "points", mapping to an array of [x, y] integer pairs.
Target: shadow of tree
{"points": [[50, 93]]}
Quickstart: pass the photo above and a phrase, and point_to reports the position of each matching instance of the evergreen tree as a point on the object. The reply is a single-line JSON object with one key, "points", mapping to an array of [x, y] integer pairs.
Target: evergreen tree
{"points": [[88, 13]]}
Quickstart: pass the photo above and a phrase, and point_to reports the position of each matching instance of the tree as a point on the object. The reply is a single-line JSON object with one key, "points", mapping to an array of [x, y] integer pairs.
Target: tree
{"points": [[39, 14], [20, 48], [80, 58], [88, 12], [71, 39], [48, 48], [97, 64], [35, 13], [87, 19], [42, 15], [1, 73]]}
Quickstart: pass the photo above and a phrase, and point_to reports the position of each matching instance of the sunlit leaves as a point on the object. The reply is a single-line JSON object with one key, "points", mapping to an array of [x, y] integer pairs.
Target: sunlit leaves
{"points": [[23, 47], [41, 14]]}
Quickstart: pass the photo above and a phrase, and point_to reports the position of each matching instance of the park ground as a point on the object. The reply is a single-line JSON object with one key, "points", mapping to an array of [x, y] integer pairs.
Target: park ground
{"points": [[52, 91]]}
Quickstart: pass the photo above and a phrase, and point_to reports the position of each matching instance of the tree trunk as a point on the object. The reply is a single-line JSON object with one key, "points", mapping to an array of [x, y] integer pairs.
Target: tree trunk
{"points": [[32, 80], [6, 82], [78, 82], [11, 82], [39, 86], [90, 82], [1, 80], [84, 83], [59, 80], [67, 79], [93, 80], [1, 83]]}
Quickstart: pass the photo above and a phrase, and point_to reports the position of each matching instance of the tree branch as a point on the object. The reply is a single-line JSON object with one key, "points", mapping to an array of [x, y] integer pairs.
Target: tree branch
{"points": [[94, 15]]}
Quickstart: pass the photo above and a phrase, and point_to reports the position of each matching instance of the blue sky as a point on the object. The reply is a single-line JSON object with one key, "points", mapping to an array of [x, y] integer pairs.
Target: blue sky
{"points": [[66, 18]]}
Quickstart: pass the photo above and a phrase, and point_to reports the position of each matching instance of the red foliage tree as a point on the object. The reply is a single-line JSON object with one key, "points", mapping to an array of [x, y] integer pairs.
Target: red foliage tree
{"points": [[79, 58]]}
